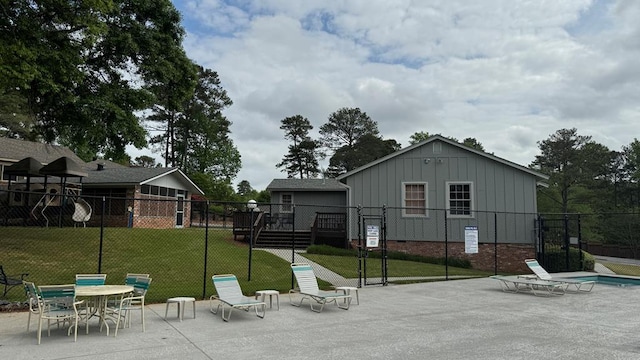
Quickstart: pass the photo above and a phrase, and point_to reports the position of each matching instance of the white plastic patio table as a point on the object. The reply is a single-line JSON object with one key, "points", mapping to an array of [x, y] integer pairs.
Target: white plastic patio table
{"points": [[101, 293], [271, 294]]}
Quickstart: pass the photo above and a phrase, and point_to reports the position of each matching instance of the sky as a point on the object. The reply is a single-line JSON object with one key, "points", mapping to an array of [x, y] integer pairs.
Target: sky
{"points": [[509, 73]]}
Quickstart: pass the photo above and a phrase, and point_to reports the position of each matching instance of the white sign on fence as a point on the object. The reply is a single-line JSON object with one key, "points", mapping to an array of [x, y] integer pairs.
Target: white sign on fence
{"points": [[471, 239], [373, 235]]}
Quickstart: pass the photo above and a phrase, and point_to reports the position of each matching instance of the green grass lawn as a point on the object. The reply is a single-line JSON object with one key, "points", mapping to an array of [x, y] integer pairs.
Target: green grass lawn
{"points": [[395, 268], [623, 269], [175, 259]]}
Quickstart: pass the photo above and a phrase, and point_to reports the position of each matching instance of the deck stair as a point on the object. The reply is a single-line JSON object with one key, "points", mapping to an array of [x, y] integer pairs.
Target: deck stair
{"points": [[278, 239]]}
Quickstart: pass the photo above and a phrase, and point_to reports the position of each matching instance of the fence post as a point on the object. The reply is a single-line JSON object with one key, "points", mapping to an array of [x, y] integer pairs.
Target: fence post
{"points": [[359, 246], [540, 249], [446, 247], [206, 250], [383, 233], [104, 201], [566, 242], [495, 243], [293, 240], [580, 243], [250, 239]]}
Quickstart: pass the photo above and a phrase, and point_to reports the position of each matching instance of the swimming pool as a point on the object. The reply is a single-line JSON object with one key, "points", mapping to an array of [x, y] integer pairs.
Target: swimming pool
{"points": [[613, 280]]}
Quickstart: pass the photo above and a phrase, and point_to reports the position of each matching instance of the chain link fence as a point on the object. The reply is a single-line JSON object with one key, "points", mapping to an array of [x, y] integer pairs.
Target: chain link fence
{"points": [[612, 238], [182, 243]]}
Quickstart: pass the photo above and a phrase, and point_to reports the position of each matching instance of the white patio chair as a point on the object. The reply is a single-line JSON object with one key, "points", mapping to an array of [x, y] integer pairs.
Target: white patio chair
{"points": [[34, 300], [135, 301], [229, 293], [59, 304], [90, 307], [308, 288]]}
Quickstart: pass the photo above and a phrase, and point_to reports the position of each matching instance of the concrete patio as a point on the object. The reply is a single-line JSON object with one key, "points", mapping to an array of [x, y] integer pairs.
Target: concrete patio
{"points": [[460, 319]]}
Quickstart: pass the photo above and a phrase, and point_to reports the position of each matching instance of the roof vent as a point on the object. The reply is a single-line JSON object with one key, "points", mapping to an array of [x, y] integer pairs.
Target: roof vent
{"points": [[100, 167]]}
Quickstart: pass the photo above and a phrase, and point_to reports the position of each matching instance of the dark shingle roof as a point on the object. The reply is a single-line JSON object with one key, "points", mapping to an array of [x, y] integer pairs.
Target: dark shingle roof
{"points": [[118, 175], [124, 175], [93, 165], [13, 150], [112, 174], [306, 184]]}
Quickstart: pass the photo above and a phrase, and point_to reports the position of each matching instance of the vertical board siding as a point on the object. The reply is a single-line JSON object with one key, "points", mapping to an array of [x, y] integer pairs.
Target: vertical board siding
{"points": [[497, 188]]}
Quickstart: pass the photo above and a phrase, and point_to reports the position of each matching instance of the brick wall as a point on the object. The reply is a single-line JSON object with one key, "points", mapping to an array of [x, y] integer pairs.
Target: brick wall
{"points": [[510, 257]]}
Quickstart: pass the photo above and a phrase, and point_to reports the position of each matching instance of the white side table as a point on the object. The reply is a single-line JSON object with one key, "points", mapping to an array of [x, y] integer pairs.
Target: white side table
{"points": [[271, 293], [347, 291], [181, 301]]}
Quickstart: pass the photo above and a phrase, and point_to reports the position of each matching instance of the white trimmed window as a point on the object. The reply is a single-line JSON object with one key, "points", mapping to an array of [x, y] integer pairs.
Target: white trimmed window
{"points": [[286, 201], [414, 199], [460, 199]]}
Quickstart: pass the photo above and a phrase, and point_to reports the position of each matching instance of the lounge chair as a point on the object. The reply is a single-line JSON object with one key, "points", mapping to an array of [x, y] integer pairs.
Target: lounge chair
{"points": [[542, 274], [308, 288], [516, 284], [228, 292]]}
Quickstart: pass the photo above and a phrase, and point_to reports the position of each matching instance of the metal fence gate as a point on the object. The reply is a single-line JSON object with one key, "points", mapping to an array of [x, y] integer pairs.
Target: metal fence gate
{"points": [[372, 247], [558, 234]]}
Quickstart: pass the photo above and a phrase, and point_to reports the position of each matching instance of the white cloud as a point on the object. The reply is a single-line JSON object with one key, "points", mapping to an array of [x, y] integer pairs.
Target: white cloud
{"points": [[509, 73]]}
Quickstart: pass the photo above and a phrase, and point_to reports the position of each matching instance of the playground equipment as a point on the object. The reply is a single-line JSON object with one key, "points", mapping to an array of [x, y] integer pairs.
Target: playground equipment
{"points": [[54, 197], [82, 212]]}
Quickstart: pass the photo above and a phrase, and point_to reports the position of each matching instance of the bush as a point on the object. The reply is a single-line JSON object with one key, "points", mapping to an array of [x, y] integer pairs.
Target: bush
{"points": [[395, 255], [588, 261]]}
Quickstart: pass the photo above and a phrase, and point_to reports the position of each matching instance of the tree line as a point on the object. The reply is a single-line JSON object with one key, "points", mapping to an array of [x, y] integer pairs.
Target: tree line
{"points": [[349, 137], [588, 178], [585, 177]]}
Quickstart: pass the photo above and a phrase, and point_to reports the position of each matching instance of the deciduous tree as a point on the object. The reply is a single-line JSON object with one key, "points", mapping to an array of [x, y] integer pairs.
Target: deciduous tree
{"points": [[86, 68], [418, 137]]}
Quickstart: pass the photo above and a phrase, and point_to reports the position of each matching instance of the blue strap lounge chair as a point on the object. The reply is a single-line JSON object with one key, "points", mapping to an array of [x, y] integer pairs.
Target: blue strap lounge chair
{"points": [[229, 293], [517, 284], [308, 288], [542, 274]]}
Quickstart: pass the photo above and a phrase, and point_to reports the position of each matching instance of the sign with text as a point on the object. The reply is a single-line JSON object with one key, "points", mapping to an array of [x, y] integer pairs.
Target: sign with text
{"points": [[471, 239], [373, 235]]}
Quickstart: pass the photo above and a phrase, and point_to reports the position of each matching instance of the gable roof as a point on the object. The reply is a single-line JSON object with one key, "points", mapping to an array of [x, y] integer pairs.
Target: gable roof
{"points": [[121, 175], [61, 161], [13, 150], [306, 185], [537, 175]]}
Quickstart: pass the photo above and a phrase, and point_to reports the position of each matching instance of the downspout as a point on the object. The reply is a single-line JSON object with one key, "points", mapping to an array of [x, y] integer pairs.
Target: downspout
{"points": [[349, 206]]}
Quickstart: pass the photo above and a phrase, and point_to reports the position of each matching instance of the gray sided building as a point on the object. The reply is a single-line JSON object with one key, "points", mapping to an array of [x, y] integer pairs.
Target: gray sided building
{"points": [[423, 181], [432, 192], [308, 196]]}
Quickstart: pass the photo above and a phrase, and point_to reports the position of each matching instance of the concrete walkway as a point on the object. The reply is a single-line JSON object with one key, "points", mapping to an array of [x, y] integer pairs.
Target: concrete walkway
{"points": [[601, 269], [338, 280], [461, 319], [320, 271]]}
